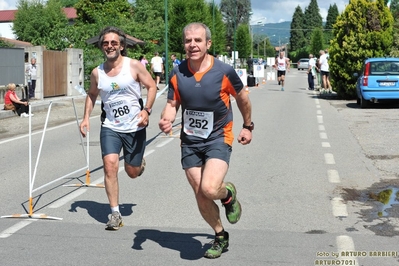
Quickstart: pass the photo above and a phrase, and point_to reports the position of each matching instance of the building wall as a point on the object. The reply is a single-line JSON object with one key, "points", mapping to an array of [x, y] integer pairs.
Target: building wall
{"points": [[75, 72], [12, 66]]}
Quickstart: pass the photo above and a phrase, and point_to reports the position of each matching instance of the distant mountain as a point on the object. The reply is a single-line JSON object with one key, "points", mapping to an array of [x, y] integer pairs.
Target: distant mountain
{"points": [[278, 33]]}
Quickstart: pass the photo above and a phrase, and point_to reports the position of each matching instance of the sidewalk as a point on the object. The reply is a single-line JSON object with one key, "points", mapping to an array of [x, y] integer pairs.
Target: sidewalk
{"points": [[40, 105]]}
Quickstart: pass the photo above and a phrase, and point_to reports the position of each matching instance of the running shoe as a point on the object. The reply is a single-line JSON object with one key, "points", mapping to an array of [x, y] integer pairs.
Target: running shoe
{"points": [[233, 208], [143, 164], [282, 89], [219, 245], [115, 222]]}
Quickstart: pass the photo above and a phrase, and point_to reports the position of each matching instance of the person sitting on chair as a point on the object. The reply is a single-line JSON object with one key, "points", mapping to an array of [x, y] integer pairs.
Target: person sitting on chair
{"points": [[14, 103]]}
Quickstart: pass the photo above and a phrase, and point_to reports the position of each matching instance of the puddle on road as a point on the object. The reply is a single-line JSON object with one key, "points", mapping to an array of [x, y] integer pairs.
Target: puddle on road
{"points": [[388, 197], [383, 201]]}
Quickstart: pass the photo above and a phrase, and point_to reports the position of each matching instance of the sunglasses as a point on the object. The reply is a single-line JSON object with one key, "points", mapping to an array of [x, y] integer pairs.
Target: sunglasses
{"points": [[106, 44]]}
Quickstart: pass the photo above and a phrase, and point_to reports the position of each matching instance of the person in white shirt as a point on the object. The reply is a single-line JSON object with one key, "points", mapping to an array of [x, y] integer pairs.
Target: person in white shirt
{"points": [[157, 68], [311, 72], [324, 70], [31, 71]]}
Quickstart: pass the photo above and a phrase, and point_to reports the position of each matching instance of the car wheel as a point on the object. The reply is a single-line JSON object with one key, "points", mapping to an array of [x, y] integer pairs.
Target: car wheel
{"points": [[363, 102], [358, 101]]}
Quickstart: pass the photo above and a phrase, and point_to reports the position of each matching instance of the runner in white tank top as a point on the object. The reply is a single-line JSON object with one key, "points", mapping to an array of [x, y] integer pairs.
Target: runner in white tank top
{"points": [[282, 64], [124, 117], [121, 96]]}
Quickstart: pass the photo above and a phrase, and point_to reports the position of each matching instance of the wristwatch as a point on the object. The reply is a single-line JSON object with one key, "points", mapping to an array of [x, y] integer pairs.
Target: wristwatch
{"points": [[148, 110], [250, 127]]}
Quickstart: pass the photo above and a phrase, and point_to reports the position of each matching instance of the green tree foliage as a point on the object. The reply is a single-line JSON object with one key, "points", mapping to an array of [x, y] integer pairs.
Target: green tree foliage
{"points": [[41, 24], [332, 15], [218, 29], [395, 13], [242, 45], [363, 30], [149, 24], [297, 38], [68, 3], [234, 13], [312, 19], [93, 16], [4, 43], [102, 13], [180, 14], [317, 42]]}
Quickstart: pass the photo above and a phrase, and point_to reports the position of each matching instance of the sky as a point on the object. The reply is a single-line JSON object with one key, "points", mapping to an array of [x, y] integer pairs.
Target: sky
{"points": [[265, 11]]}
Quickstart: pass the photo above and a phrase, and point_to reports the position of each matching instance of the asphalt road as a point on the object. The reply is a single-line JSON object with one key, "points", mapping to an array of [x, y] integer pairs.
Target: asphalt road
{"points": [[308, 183]]}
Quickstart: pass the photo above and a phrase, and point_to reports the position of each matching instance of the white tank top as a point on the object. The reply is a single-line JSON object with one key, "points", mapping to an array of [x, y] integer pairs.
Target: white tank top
{"points": [[121, 98], [281, 63]]}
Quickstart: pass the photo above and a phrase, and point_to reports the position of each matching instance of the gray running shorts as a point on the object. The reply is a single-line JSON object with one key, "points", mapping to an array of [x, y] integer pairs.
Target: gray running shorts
{"points": [[197, 156], [133, 144]]}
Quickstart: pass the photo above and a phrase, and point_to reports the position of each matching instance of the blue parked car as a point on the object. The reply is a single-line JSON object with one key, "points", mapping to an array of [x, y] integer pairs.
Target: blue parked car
{"points": [[378, 80]]}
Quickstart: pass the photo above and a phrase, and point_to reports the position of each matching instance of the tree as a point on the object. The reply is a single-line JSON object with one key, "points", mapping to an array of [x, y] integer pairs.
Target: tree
{"points": [[41, 24], [332, 15], [149, 24], [394, 8], [243, 46], [4, 43], [235, 12], [218, 30], [363, 30], [180, 14], [93, 16], [317, 42], [297, 38], [312, 19], [68, 3]]}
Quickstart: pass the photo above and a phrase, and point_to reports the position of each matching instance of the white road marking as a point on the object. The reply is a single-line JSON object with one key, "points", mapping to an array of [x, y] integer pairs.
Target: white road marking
{"points": [[325, 145], [344, 244], [323, 135], [320, 119], [322, 128], [15, 228], [329, 158], [67, 198], [164, 142], [319, 112], [333, 176], [339, 207]]}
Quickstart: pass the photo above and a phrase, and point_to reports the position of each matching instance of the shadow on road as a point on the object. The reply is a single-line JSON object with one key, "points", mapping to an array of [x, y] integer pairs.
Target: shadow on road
{"points": [[189, 247], [100, 211]]}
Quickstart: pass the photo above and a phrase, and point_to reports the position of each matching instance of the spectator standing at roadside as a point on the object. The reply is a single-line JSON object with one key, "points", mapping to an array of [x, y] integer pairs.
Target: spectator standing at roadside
{"points": [[282, 65], [124, 116], [31, 71], [324, 70], [157, 67], [311, 72], [202, 86], [175, 61]]}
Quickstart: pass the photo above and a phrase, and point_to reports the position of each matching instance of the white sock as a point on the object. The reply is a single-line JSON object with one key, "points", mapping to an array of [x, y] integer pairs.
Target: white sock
{"points": [[115, 209]]}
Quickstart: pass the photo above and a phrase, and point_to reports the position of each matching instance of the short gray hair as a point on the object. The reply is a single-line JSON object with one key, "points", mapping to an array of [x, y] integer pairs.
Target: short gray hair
{"points": [[198, 25]]}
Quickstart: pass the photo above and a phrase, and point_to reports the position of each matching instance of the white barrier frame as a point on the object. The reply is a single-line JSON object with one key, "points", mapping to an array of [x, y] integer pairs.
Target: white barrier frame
{"points": [[32, 178]]}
